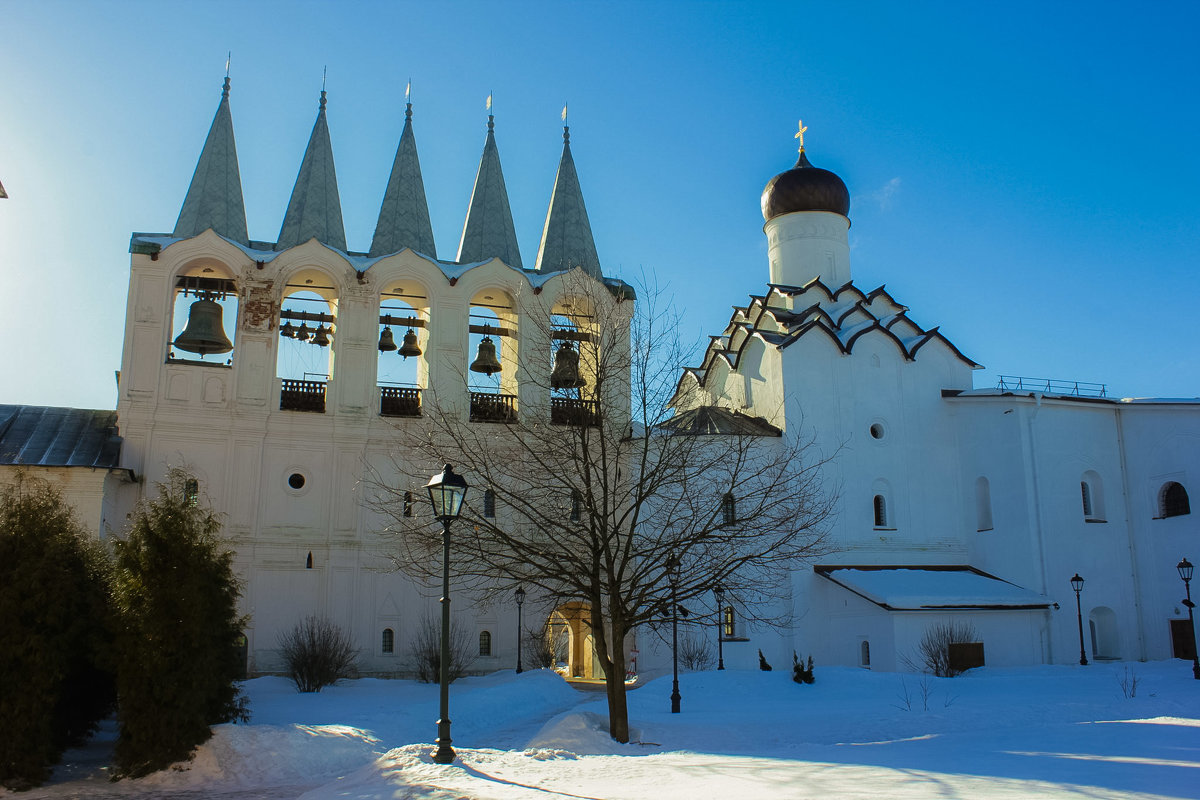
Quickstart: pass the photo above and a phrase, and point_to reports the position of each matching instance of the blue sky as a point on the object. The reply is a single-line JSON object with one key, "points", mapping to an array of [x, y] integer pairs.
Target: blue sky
{"points": [[1023, 175]]}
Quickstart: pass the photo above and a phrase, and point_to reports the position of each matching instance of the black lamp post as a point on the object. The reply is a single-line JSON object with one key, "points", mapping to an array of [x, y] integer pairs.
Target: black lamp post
{"points": [[520, 595], [673, 576], [719, 593], [446, 493], [1077, 585], [1185, 572]]}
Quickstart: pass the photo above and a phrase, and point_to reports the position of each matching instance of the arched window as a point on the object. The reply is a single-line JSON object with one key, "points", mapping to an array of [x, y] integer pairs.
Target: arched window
{"points": [[728, 623], [388, 641], [983, 504], [880, 506], [492, 348], [1091, 490], [728, 509], [864, 654], [485, 643], [1173, 500], [489, 503], [191, 491]]}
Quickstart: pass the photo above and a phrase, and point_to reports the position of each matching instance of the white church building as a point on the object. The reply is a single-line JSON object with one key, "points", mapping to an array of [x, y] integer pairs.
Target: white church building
{"points": [[274, 371]]}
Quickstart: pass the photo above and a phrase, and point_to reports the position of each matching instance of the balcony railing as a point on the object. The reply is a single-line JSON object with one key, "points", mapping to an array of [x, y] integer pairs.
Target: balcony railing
{"points": [[399, 401], [488, 407], [299, 395], [571, 411], [1052, 386]]}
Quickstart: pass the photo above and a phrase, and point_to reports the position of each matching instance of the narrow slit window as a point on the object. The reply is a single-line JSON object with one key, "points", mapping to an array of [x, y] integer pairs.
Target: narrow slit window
{"points": [[408, 504], [576, 505], [388, 643], [489, 503], [728, 623], [485, 643], [728, 509], [880, 506], [1086, 491]]}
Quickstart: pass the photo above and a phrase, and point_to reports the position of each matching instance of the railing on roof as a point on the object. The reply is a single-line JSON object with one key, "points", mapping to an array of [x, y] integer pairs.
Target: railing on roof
{"points": [[1052, 386]]}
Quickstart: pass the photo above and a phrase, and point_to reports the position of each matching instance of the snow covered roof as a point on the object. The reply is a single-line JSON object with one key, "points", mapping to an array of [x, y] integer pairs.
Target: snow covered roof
{"points": [[59, 437], [714, 420], [928, 588]]}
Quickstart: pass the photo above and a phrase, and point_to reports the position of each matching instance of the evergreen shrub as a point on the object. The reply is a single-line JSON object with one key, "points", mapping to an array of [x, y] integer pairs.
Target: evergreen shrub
{"points": [[54, 617], [177, 654]]}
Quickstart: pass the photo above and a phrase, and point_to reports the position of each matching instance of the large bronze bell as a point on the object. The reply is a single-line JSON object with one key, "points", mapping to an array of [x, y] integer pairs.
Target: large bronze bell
{"points": [[288, 330], [485, 358], [566, 369], [410, 348], [386, 342], [302, 333], [204, 332], [321, 337]]}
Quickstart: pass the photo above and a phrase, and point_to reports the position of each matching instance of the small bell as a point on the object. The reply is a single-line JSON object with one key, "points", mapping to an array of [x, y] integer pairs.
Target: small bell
{"points": [[566, 369], [409, 347], [485, 358], [321, 338], [204, 332], [288, 330], [302, 334], [386, 342]]}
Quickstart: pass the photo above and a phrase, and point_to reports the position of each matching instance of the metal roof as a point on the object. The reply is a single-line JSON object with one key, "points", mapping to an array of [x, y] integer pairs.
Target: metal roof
{"points": [[315, 210], [214, 197], [404, 215], [714, 420], [489, 232], [567, 235], [932, 588], [59, 437]]}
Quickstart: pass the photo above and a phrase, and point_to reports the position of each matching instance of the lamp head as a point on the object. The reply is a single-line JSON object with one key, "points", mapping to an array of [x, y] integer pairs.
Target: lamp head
{"points": [[1077, 583], [1185, 570], [446, 493]]}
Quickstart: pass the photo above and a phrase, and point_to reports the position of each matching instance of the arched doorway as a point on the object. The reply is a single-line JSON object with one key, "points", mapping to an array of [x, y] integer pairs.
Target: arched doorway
{"points": [[569, 630]]}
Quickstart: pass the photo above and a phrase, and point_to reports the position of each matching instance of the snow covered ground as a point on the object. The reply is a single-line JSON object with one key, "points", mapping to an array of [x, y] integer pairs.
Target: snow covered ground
{"points": [[1044, 732]]}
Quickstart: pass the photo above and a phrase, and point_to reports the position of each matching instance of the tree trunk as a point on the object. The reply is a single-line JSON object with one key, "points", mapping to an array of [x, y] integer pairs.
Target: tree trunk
{"points": [[614, 670]]}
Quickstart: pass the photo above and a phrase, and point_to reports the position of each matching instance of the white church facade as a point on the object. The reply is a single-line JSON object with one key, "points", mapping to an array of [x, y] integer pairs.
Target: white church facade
{"points": [[276, 372]]}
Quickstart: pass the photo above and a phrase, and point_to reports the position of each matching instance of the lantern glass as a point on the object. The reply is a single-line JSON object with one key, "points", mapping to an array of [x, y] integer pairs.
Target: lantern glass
{"points": [[1185, 570], [446, 493], [1077, 583]]}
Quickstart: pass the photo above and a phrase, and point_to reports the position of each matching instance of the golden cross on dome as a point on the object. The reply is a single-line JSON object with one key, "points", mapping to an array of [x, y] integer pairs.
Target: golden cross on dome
{"points": [[800, 134]]}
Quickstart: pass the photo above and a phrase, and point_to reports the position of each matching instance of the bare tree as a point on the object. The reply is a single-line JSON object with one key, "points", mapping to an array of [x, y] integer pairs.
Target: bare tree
{"points": [[427, 650], [318, 653], [592, 497]]}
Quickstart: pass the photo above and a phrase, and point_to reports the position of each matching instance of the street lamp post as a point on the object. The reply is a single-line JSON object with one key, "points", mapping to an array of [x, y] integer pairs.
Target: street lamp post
{"points": [[719, 593], [1185, 572], [446, 493], [1077, 585], [520, 595], [673, 576]]}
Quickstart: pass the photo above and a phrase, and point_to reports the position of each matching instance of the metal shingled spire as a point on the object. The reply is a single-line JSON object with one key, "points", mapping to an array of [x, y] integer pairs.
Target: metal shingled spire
{"points": [[315, 210], [214, 197], [404, 215], [567, 236], [488, 231]]}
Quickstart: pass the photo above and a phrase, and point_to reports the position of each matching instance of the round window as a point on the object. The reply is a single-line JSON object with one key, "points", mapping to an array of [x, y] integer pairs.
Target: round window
{"points": [[876, 430], [296, 480]]}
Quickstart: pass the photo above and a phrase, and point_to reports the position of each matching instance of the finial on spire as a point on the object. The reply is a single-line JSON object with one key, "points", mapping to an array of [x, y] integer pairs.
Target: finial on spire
{"points": [[407, 100], [800, 134], [491, 117], [324, 70], [566, 127], [225, 89]]}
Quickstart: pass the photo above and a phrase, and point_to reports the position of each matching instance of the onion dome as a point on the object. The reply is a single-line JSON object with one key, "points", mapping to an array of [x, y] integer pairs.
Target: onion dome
{"points": [[805, 188]]}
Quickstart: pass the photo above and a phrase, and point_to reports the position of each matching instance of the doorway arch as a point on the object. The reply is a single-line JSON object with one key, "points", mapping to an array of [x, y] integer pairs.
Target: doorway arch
{"points": [[1102, 624]]}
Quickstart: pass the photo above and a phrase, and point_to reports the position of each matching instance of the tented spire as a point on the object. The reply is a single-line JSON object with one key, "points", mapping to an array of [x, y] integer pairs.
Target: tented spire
{"points": [[567, 236], [214, 198], [315, 211], [489, 231], [404, 215]]}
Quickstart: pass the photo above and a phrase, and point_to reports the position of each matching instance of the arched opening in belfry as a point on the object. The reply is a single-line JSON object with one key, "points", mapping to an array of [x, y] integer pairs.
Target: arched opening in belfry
{"points": [[492, 348], [204, 313], [307, 340], [574, 363], [403, 367], [569, 631]]}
